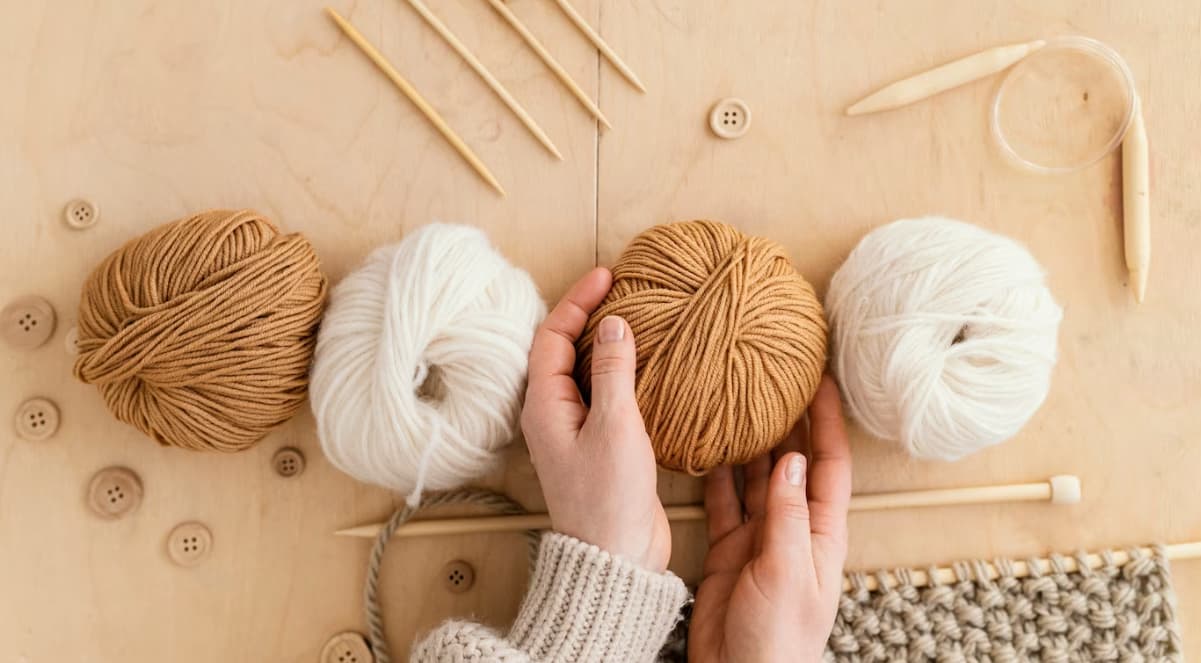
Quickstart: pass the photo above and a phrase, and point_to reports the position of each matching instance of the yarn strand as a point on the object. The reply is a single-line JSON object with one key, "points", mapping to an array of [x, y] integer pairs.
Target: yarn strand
{"points": [[478, 497]]}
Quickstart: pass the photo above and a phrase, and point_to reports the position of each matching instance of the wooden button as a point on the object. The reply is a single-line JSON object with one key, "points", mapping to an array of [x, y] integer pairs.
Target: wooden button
{"points": [[114, 492], [80, 214], [189, 543], [288, 462], [458, 576], [36, 420], [28, 322], [71, 341], [347, 647], [730, 118]]}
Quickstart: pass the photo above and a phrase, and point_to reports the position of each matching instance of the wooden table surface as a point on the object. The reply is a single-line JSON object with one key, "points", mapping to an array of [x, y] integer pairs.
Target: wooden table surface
{"points": [[154, 109]]}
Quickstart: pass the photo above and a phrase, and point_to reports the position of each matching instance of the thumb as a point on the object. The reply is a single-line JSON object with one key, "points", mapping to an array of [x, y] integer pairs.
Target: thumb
{"points": [[786, 524], [613, 363]]}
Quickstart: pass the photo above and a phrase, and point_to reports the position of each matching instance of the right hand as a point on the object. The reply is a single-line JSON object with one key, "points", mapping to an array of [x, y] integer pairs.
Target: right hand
{"points": [[773, 574], [596, 464]]}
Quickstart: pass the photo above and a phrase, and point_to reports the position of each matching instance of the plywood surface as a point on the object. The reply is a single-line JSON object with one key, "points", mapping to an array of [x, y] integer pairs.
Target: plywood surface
{"points": [[155, 109]]}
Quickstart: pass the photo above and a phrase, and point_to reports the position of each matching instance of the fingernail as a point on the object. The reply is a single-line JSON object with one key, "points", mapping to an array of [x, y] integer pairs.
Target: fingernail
{"points": [[612, 329], [795, 473]]}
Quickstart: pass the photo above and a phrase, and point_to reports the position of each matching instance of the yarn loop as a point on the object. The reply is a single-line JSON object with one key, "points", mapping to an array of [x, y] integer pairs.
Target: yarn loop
{"points": [[200, 332], [731, 342]]}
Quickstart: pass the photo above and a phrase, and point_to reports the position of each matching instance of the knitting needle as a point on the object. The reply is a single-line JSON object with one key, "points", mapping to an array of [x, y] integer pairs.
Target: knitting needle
{"points": [[415, 97], [1061, 489], [1021, 569], [600, 44], [1136, 207], [549, 60], [944, 77], [483, 73]]}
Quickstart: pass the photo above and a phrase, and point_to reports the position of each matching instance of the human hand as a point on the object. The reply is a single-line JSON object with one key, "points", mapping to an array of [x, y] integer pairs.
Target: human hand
{"points": [[772, 579], [596, 465]]}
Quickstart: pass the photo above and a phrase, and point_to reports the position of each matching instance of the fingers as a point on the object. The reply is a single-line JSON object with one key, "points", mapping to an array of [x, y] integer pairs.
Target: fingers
{"points": [[786, 517], [755, 478], [829, 481], [613, 365], [553, 350], [723, 510], [553, 409]]}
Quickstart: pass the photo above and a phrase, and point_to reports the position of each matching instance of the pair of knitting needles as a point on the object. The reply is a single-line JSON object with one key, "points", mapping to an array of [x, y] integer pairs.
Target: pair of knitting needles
{"points": [[1061, 489], [1136, 209], [490, 80]]}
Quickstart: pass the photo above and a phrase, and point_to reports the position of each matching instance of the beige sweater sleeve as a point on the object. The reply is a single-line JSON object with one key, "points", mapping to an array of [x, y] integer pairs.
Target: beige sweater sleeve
{"points": [[583, 605]]}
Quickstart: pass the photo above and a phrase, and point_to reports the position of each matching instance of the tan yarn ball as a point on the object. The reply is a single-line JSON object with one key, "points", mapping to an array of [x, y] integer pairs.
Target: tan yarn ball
{"points": [[731, 341], [200, 332]]}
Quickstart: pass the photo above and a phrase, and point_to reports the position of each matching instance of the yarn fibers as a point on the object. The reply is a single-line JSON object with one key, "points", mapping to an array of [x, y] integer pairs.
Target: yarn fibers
{"points": [[421, 361], [943, 336], [730, 339], [200, 332]]}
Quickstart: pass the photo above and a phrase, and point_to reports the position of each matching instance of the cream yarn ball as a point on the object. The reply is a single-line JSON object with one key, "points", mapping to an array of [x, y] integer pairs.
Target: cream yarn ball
{"points": [[943, 336], [421, 361]]}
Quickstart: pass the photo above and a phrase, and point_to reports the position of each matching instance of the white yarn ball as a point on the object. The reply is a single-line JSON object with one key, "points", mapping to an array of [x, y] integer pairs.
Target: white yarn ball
{"points": [[943, 336], [421, 361]]}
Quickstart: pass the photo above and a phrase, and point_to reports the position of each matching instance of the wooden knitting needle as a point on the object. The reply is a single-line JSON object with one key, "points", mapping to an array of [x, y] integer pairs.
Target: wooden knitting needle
{"points": [[944, 77], [600, 44], [1021, 569], [1062, 489], [409, 91], [549, 61], [1136, 204], [483, 73]]}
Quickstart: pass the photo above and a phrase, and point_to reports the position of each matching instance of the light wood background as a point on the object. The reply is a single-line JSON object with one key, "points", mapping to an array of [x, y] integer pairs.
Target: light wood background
{"points": [[153, 109]]}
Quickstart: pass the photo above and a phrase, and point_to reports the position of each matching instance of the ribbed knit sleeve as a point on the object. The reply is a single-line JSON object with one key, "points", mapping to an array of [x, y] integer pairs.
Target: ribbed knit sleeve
{"points": [[586, 605], [583, 605]]}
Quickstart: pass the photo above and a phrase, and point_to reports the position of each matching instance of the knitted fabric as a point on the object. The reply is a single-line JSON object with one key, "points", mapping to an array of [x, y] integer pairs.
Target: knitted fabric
{"points": [[583, 605], [1112, 613]]}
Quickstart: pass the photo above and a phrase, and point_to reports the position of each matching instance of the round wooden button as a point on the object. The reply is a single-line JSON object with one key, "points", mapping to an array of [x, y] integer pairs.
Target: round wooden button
{"points": [[36, 420], [347, 647], [730, 118], [288, 462], [114, 492], [189, 543], [80, 214], [458, 576], [28, 322]]}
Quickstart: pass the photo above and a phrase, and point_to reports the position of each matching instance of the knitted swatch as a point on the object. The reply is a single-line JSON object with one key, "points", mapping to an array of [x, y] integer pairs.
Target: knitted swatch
{"points": [[1114, 613]]}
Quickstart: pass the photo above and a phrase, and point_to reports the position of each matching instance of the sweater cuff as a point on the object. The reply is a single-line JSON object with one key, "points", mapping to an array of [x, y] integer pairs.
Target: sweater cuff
{"points": [[585, 604]]}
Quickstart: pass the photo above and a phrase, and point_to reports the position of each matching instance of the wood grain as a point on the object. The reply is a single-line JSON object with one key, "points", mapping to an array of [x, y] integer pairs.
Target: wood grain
{"points": [[156, 108]]}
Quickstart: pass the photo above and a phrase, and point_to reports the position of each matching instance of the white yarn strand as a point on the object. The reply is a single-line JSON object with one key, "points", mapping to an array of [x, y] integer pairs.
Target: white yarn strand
{"points": [[943, 336], [421, 360]]}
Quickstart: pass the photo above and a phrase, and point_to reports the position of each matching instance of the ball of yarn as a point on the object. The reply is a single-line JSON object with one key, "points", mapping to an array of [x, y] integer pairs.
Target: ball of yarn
{"points": [[421, 361], [730, 340], [943, 336], [200, 332]]}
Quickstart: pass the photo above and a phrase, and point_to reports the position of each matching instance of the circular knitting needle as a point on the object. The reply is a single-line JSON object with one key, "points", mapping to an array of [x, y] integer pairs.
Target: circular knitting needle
{"points": [[944, 77], [600, 44], [409, 91], [1136, 205], [549, 61], [1061, 489], [483, 73]]}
